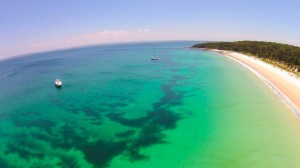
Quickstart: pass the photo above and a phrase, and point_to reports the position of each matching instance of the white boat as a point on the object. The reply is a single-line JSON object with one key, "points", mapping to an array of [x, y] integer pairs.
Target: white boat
{"points": [[58, 83], [154, 58]]}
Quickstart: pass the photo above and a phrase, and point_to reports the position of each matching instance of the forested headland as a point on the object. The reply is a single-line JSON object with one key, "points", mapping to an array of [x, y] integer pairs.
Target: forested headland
{"points": [[284, 55]]}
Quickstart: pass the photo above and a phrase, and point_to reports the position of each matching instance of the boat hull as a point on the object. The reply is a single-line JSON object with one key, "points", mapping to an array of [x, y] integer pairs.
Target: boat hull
{"points": [[58, 83]]}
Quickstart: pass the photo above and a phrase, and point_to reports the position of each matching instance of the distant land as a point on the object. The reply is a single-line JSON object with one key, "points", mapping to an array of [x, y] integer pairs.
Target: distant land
{"points": [[282, 55]]}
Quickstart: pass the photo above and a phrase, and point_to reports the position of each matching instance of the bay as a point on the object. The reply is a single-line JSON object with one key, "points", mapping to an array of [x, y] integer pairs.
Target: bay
{"points": [[117, 108]]}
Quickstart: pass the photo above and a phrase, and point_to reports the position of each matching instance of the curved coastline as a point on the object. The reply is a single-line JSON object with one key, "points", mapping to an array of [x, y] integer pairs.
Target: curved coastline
{"points": [[283, 84]]}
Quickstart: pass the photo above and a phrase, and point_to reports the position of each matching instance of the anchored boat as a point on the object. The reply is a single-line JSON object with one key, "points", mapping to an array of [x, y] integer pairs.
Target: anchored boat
{"points": [[154, 58], [58, 83]]}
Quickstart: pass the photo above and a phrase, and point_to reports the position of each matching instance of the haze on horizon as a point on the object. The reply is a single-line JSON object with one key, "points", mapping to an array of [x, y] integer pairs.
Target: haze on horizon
{"points": [[34, 26]]}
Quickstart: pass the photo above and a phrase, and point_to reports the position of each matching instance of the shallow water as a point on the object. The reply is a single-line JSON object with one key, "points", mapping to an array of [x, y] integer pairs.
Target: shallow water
{"points": [[117, 108]]}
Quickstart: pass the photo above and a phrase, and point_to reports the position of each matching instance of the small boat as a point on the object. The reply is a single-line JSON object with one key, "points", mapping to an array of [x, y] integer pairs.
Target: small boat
{"points": [[58, 83], [154, 58]]}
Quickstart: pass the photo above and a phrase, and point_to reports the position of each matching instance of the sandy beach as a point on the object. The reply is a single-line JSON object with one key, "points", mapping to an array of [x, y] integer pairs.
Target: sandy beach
{"points": [[283, 83]]}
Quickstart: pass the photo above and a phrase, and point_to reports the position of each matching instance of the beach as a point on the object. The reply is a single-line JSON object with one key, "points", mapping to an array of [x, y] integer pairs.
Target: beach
{"points": [[285, 84]]}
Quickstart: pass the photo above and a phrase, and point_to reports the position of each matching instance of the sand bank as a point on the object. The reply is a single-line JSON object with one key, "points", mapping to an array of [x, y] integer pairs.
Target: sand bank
{"points": [[284, 84]]}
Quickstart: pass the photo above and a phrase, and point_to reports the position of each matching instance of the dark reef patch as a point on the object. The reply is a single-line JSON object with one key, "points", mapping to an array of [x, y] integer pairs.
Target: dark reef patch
{"points": [[164, 119], [125, 134], [150, 135], [91, 112], [152, 125], [170, 97], [71, 137], [4, 164], [101, 152], [44, 136], [23, 152], [127, 122], [28, 121], [4, 115]]}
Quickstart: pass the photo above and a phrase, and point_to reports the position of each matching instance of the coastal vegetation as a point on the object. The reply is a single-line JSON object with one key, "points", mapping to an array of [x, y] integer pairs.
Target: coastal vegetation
{"points": [[283, 55]]}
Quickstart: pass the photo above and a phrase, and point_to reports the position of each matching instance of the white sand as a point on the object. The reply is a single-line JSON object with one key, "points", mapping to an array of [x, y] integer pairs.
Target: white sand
{"points": [[285, 85]]}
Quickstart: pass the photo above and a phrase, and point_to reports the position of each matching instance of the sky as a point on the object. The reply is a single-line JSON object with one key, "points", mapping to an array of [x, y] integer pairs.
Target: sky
{"points": [[41, 25]]}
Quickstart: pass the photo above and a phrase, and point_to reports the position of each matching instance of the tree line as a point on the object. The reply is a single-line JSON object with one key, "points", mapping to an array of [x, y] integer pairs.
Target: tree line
{"points": [[275, 52]]}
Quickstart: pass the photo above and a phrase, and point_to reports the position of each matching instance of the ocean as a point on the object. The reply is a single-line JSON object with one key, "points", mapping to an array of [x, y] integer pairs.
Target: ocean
{"points": [[117, 108]]}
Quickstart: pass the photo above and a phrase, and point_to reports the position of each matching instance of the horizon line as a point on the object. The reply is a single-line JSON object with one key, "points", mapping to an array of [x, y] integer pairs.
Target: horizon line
{"points": [[120, 43]]}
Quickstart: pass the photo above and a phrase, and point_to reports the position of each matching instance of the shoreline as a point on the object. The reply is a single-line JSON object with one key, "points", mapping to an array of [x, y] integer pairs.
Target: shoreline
{"points": [[284, 84]]}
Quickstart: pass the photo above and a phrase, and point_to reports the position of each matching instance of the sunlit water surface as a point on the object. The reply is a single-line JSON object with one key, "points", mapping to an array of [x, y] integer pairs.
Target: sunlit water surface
{"points": [[117, 108]]}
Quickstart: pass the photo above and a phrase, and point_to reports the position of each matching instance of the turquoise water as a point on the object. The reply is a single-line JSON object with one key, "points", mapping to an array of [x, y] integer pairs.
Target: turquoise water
{"points": [[117, 108]]}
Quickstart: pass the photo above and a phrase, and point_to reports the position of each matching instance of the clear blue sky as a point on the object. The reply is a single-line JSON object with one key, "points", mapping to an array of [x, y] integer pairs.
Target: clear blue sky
{"points": [[39, 25]]}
